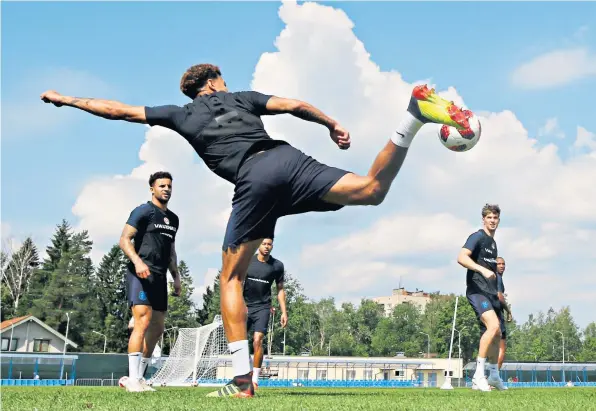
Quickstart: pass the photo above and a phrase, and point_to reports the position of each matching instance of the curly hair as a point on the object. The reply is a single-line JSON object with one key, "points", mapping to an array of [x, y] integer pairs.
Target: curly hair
{"points": [[196, 77], [157, 175], [491, 208]]}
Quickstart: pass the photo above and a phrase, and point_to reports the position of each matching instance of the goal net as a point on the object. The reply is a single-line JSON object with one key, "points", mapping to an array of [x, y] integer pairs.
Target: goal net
{"points": [[195, 355]]}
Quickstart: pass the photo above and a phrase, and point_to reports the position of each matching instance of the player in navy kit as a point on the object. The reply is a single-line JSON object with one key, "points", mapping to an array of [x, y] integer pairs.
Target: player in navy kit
{"points": [[506, 317], [262, 272], [479, 256], [148, 240], [271, 178]]}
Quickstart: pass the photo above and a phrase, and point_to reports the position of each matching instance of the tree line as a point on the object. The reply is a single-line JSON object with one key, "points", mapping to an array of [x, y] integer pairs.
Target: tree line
{"points": [[95, 298]]}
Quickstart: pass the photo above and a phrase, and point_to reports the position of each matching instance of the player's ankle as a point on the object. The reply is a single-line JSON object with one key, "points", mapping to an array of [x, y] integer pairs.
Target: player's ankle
{"points": [[406, 130], [240, 357]]}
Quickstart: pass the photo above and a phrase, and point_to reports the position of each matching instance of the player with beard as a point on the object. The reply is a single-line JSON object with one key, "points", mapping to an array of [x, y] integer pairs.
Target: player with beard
{"points": [[148, 240], [262, 272]]}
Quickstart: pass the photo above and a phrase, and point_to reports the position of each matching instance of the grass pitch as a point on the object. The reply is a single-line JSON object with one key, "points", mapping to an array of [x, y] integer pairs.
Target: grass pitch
{"points": [[166, 399]]}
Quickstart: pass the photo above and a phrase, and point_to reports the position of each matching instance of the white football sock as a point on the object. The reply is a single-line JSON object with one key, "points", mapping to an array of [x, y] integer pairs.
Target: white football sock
{"points": [[494, 372], [255, 374], [480, 367], [143, 366], [240, 357], [406, 130], [134, 359]]}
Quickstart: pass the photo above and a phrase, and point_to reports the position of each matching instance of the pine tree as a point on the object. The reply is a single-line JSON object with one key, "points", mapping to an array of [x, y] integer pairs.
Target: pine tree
{"points": [[69, 291], [109, 289], [181, 309], [60, 244]]}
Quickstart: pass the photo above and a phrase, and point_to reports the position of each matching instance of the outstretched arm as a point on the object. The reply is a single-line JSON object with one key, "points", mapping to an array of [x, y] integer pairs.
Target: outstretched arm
{"points": [[300, 109], [108, 109], [308, 112]]}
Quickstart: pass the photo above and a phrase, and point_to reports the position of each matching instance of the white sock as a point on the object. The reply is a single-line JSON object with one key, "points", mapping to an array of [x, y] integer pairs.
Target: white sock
{"points": [[494, 372], [134, 359], [406, 130], [240, 357], [143, 366], [480, 367], [255, 374]]}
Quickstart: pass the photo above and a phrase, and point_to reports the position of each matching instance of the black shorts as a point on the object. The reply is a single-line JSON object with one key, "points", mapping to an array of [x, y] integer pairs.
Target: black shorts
{"points": [[278, 182], [481, 304], [151, 291], [258, 319]]}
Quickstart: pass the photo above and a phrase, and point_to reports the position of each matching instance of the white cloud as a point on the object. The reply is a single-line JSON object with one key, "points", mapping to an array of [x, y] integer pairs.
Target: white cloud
{"points": [[201, 285], [434, 204], [418, 234], [551, 128], [555, 68], [198, 197], [585, 138], [435, 201]]}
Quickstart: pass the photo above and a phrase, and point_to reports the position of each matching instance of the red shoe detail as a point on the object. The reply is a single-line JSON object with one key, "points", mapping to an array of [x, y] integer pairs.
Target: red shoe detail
{"points": [[422, 92], [459, 116], [444, 132]]}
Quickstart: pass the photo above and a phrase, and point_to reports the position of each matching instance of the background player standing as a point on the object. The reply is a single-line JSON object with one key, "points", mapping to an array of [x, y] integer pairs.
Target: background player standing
{"points": [[479, 255], [152, 227], [262, 272], [506, 309], [271, 178]]}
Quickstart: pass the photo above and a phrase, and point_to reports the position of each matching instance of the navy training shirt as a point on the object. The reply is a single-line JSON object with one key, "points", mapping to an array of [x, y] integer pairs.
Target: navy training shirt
{"points": [[259, 279], [224, 128], [156, 231], [484, 253], [500, 285]]}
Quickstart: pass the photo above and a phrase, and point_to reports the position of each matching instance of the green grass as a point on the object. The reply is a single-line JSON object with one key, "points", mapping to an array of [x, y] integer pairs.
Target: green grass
{"points": [[170, 399]]}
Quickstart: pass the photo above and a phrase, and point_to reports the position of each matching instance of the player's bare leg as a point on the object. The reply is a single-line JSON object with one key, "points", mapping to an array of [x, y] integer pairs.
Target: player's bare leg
{"points": [[152, 336], [233, 312], [491, 322], [425, 107], [142, 315], [494, 379], [502, 349], [257, 345]]}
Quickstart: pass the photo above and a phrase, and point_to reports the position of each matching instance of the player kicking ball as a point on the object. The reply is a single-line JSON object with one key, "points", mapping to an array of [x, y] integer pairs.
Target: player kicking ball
{"points": [[479, 256], [271, 178]]}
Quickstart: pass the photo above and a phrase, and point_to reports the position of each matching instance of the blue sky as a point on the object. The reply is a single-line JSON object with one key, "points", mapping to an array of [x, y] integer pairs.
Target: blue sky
{"points": [[136, 52]]}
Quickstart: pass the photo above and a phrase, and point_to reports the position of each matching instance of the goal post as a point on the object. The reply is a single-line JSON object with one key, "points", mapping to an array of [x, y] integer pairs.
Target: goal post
{"points": [[194, 357]]}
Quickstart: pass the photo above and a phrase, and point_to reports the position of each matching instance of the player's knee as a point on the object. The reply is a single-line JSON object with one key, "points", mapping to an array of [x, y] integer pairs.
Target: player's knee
{"points": [[494, 330], [142, 323], [257, 342]]}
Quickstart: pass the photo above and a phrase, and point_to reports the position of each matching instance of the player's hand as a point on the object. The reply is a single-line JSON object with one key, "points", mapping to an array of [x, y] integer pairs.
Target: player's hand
{"points": [[53, 97], [284, 320], [142, 270], [177, 286], [488, 274], [502, 299], [509, 317], [341, 137]]}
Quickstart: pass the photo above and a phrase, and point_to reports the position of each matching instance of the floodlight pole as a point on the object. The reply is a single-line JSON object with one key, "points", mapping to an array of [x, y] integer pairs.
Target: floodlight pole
{"points": [[447, 384], [563, 337], [105, 340]]}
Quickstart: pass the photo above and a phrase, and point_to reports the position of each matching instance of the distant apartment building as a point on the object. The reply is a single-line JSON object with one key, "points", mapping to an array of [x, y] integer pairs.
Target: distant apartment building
{"points": [[400, 296]]}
